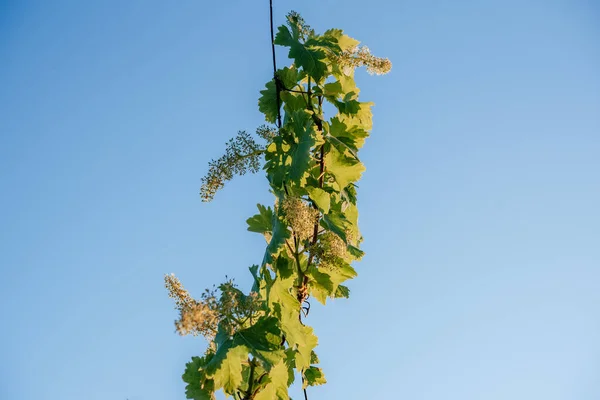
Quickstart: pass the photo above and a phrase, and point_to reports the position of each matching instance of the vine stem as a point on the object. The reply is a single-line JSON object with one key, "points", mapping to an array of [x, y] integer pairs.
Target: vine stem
{"points": [[321, 178]]}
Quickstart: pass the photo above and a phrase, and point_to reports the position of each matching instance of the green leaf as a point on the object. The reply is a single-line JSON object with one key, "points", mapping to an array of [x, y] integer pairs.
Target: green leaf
{"points": [[345, 42], [352, 136], [222, 336], [226, 368], [348, 84], [310, 59], [275, 165], [314, 359], [332, 90], [321, 198], [337, 223], [289, 77], [342, 291], [261, 222], [287, 308], [280, 234], [292, 102], [300, 152], [279, 293], [363, 117], [198, 387], [343, 144], [344, 169], [355, 252], [313, 376], [325, 282], [263, 336], [277, 388], [261, 339], [267, 103], [341, 273], [284, 37], [290, 362], [284, 266], [260, 282], [320, 284], [306, 341], [323, 42], [348, 107]]}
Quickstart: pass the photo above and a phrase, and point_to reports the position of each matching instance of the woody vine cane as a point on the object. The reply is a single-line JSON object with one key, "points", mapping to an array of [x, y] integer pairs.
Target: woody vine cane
{"points": [[258, 343]]}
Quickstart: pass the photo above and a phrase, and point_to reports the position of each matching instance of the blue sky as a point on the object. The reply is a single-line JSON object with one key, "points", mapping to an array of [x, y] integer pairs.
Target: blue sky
{"points": [[480, 204]]}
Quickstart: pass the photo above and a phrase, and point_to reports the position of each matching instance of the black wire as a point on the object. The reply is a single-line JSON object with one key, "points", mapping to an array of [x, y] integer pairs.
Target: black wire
{"points": [[277, 90], [277, 84], [305, 395]]}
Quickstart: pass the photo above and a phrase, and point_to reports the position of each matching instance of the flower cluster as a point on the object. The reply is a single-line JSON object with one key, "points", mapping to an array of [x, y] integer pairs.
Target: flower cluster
{"points": [[200, 318], [330, 249], [242, 154], [300, 216], [233, 310], [297, 23], [266, 132], [196, 317], [237, 310], [359, 56], [177, 292]]}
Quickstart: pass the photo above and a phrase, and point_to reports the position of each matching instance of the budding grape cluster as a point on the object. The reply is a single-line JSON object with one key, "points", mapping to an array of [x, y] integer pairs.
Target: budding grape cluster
{"points": [[300, 216], [329, 250], [231, 311], [361, 55], [296, 21], [242, 154]]}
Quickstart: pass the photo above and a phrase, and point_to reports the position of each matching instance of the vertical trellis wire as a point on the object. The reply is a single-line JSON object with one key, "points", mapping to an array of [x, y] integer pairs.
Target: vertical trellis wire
{"points": [[277, 91]]}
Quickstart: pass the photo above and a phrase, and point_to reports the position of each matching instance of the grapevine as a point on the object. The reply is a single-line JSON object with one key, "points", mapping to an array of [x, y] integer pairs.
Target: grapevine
{"points": [[259, 342]]}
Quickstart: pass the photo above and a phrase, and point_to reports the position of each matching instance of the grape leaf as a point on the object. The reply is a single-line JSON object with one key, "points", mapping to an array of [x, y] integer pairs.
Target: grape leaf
{"points": [[277, 388], [275, 163], [292, 102], [345, 42], [284, 266], [342, 291], [261, 222], [309, 59], [305, 56], [341, 273], [343, 144], [348, 107], [287, 308], [267, 102], [300, 151], [320, 284], [332, 89], [352, 136], [198, 387], [321, 198], [337, 223], [355, 252], [344, 169], [363, 117], [284, 37], [263, 336], [289, 77], [226, 367], [313, 376], [280, 234]]}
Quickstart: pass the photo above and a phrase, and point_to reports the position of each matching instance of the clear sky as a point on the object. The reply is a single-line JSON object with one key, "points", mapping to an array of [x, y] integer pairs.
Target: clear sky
{"points": [[480, 205]]}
